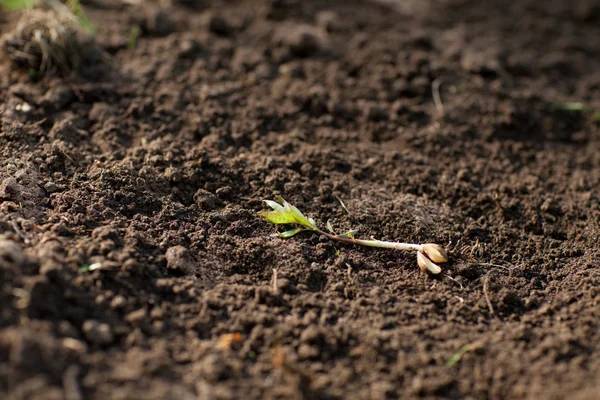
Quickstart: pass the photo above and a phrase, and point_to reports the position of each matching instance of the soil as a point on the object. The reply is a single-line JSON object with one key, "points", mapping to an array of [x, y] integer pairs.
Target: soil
{"points": [[154, 163]]}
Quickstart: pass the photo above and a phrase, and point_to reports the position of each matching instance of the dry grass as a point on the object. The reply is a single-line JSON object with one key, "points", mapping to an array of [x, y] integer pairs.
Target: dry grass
{"points": [[47, 42]]}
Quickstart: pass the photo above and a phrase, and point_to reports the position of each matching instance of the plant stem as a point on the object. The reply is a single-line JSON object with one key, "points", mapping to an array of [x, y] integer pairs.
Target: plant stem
{"points": [[374, 243]]}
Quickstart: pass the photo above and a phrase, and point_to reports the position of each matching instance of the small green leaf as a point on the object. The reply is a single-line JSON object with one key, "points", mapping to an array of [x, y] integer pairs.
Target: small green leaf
{"points": [[287, 214], [278, 217], [329, 227], [348, 235], [291, 232], [458, 355]]}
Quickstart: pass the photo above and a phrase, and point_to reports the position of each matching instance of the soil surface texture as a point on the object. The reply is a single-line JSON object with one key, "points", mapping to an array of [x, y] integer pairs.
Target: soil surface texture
{"points": [[133, 261]]}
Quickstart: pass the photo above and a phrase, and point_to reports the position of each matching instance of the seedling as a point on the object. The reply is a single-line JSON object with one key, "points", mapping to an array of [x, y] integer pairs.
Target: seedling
{"points": [[428, 254], [577, 106], [134, 34]]}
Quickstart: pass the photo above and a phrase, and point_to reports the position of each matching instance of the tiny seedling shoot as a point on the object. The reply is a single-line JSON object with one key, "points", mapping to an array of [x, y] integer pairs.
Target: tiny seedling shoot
{"points": [[428, 254]]}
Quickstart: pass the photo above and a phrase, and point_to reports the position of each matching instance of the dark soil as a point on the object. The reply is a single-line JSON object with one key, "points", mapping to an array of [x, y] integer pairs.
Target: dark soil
{"points": [[155, 162]]}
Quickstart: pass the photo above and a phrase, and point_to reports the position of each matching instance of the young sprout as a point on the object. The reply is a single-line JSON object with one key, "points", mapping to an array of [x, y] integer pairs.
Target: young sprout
{"points": [[428, 254]]}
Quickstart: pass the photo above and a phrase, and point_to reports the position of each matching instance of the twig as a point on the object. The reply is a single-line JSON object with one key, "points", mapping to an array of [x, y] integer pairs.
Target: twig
{"points": [[342, 203], [275, 287], [437, 98], [486, 281]]}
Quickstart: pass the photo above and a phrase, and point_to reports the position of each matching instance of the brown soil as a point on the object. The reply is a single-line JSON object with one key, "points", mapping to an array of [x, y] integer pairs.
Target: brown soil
{"points": [[156, 163]]}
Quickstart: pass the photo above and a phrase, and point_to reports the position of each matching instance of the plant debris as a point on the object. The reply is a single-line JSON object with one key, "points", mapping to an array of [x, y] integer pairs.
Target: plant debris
{"points": [[47, 42]]}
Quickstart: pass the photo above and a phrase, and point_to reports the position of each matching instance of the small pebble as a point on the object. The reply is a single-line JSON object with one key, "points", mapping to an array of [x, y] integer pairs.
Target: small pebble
{"points": [[180, 259], [97, 332], [11, 253]]}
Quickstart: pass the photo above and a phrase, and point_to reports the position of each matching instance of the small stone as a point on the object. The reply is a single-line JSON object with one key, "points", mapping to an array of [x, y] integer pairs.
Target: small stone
{"points": [[180, 259], [206, 200], [100, 111], [306, 351], [11, 253], [136, 317], [51, 187], [118, 302], [311, 334], [10, 189], [97, 332]]}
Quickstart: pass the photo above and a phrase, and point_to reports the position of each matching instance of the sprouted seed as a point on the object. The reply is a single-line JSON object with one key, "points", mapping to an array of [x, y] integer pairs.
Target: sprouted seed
{"points": [[428, 254]]}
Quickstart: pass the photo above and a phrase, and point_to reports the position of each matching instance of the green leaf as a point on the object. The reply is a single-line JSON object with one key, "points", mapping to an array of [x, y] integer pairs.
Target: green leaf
{"points": [[287, 214], [291, 232], [278, 217], [329, 227], [274, 205], [349, 235], [300, 218], [16, 5]]}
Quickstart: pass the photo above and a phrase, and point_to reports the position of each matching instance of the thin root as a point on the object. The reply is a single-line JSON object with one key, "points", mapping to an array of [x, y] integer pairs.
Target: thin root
{"points": [[486, 281]]}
